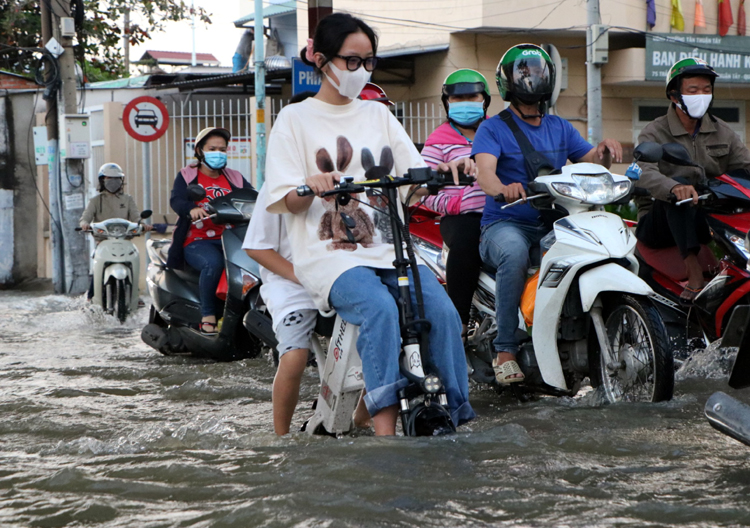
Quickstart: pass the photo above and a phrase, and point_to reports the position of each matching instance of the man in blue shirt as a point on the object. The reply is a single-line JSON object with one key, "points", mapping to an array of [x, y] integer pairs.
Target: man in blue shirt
{"points": [[526, 78]]}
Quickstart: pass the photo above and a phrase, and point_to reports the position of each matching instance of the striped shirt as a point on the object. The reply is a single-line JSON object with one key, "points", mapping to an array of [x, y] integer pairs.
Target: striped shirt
{"points": [[446, 144]]}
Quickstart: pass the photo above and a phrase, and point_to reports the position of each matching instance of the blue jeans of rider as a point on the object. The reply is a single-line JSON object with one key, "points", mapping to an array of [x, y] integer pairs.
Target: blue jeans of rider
{"points": [[507, 245], [366, 297], [206, 256]]}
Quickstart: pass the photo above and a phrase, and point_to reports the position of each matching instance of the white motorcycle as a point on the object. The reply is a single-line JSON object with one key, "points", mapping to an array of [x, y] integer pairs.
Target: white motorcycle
{"points": [[592, 315], [117, 266]]}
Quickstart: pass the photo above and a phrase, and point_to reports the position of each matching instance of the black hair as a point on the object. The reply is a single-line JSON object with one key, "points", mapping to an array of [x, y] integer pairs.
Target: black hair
{"points": [[331, 33]]}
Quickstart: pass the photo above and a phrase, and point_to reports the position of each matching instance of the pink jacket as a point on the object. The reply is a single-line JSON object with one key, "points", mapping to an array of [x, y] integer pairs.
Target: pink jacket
{"points": [[446, 144]]}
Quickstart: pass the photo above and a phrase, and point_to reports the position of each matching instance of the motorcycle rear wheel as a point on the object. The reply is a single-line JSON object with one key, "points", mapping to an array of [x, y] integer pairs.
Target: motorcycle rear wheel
{"points": [[642, 369]]}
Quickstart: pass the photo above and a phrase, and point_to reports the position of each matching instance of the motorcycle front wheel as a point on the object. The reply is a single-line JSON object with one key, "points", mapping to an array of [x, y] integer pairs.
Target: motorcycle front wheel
{"points": [[642, 367], [122, 300]]}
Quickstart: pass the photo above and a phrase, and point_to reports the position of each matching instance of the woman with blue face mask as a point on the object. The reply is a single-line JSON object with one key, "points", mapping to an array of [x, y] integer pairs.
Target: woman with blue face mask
{"points": [[196, 239], [466, 97]]}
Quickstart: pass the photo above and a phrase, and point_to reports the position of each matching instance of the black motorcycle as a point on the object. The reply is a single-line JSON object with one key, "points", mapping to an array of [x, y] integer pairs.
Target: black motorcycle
{"points": [[175, 311]]}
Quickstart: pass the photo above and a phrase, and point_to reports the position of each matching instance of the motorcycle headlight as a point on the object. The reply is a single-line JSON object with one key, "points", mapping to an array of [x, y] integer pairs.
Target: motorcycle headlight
{"points": [[596, 189], [246, 208], [739, 243], [118, 229]]}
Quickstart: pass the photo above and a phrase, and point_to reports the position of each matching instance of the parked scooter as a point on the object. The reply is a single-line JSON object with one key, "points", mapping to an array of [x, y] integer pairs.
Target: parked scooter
{"points": [[726, 202], [592, 315], [175, 312], [117, 265], [423, 403]]}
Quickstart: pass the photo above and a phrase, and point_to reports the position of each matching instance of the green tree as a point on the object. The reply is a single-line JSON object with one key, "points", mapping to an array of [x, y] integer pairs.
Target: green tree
{"points": [[98, 45]]}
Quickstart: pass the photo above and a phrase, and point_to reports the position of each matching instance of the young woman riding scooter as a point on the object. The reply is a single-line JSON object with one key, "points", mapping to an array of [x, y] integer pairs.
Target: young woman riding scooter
{"points": [[196, 239], [356, 278]]}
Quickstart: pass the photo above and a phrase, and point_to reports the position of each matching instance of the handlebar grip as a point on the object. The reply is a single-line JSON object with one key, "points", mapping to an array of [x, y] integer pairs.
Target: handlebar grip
{"points": [[79, 229], [640, 191], [304, 190], [671, 198], [500, 198]]}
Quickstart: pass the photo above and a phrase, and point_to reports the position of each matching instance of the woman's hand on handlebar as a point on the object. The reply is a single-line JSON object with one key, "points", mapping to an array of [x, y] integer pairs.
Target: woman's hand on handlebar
{"points": [[323, 182], [513, 192], [197, 213], [465, 165], [685, 192]]}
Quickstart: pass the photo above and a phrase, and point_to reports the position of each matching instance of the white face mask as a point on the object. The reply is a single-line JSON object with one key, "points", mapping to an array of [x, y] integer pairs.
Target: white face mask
{"points": [[351, 82], [696, 105]]}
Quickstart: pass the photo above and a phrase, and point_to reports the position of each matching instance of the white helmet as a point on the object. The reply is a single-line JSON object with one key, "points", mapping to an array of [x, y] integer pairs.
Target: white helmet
{"points": [[111, 170]]}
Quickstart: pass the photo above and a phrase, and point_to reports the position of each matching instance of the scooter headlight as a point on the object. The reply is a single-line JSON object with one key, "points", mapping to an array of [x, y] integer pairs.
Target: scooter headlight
{"points": [[118, 229], [246, 208], [596, 189], [740, 244]]}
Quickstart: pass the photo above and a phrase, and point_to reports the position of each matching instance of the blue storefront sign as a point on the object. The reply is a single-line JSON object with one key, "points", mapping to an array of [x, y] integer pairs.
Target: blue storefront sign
{"points": [[304, 78]]}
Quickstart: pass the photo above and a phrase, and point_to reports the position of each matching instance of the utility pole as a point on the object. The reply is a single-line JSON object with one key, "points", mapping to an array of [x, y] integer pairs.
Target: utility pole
{"points": [[66, 178], [595, 42], [316, 10], [260, 96], [193, 62], [58, 265], [126, 41]]}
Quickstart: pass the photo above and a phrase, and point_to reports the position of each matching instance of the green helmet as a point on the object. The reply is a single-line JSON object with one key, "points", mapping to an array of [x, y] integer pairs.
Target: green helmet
{"points": [[692, 66], [527, 73], [465, 82]]}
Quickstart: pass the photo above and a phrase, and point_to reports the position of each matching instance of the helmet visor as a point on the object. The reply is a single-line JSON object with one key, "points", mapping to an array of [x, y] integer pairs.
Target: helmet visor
{"points": [[530, 75], [464, 88]]}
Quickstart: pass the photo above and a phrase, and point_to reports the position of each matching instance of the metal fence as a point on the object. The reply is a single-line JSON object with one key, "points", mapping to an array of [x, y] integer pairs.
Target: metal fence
{"points": [[174, 149]]}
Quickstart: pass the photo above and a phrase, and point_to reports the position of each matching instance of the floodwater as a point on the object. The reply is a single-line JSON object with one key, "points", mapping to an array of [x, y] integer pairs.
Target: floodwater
{"points": [[97, 429]]}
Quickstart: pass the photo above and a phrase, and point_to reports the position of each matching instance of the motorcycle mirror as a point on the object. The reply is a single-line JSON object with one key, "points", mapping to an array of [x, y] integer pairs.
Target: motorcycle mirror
{"points": [[676, 154], [146, 214], [648, 151], [195, 192]]}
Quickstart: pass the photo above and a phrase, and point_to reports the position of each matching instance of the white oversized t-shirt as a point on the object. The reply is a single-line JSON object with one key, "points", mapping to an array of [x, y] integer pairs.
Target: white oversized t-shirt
{"points": [[267, 231], [313, 137]]}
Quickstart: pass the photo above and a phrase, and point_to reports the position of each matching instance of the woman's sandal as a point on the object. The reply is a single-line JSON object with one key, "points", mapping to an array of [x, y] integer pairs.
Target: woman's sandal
{"points": [[689, 294], [505, 371], [208, 329]]}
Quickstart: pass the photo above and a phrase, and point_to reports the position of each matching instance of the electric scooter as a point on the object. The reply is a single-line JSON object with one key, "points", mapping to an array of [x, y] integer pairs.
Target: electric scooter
{"points": [[586, 312], [117, 265], [423, 406], [245, 327]]}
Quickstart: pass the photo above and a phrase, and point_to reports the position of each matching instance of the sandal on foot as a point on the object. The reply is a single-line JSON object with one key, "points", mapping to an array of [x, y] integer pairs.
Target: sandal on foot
{"points": [[208, 329], [689, 294], [504, 372]]}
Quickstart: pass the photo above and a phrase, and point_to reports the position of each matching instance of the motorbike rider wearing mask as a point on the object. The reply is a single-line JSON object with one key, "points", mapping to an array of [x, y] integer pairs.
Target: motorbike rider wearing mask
{"points": [[711, 144], [525, 78], [466, 98], [111, 202], [196, 239]]}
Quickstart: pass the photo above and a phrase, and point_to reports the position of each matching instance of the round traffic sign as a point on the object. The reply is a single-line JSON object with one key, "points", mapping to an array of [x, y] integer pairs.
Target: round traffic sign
{"points": [[145, 118]]}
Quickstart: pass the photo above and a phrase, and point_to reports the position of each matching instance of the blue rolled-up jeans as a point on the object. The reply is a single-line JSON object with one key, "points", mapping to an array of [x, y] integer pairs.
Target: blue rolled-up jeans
{"points": [[366, 297], [507, 245], [206, 256]]}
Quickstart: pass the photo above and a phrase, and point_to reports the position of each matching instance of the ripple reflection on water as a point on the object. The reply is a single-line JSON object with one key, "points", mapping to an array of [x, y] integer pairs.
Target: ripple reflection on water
{"points": [[99, 429]]}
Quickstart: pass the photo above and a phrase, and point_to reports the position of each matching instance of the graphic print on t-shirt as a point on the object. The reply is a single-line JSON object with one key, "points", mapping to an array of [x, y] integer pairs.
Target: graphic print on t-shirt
{"points": [[344, 222], [206, 229]]}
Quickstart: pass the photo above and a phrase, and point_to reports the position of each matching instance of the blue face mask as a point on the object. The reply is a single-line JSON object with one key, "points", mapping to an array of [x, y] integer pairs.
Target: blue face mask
{"points": [[215, 160], [466, 113]]}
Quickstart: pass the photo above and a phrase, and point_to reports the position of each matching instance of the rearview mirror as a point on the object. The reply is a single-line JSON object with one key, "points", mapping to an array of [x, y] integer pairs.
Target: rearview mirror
{"points": [[146, 214], [195, 192], [648, 151], [676, 154]]}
